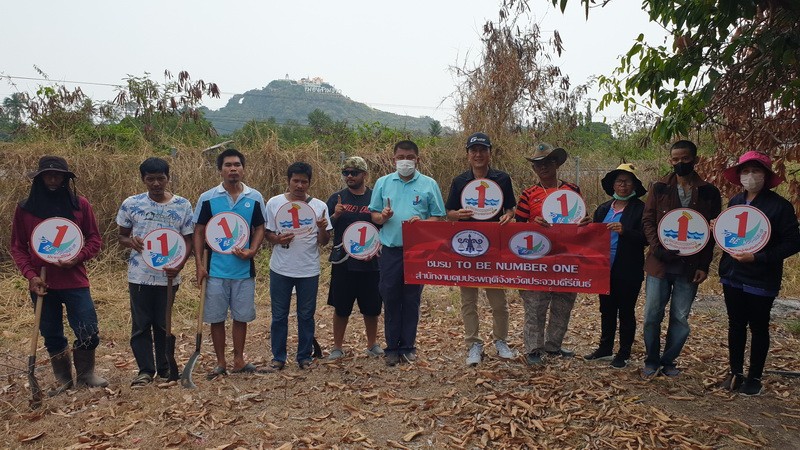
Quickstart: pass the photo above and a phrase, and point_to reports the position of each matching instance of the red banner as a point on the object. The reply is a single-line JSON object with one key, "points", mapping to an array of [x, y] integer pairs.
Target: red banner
{"points": [[563, 257]]}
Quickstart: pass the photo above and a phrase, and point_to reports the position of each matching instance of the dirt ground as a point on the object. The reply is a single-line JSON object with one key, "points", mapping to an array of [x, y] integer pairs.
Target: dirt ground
{"points": [[436, 402]]}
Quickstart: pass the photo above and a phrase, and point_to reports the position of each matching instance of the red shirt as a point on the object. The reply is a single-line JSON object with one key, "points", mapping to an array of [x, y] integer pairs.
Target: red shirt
{"points": [[57, 278], [530, 201]]}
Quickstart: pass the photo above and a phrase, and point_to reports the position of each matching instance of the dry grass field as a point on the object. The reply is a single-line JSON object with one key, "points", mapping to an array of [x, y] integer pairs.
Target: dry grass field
{"points": [[358, 402]]}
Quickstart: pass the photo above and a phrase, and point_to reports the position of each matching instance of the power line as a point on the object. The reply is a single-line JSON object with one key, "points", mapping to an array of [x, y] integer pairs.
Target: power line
{"points": [[92, 83]]}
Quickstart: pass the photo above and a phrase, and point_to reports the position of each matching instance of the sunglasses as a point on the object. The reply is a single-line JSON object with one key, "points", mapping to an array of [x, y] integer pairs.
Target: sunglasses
{"points": [[350, 173]]}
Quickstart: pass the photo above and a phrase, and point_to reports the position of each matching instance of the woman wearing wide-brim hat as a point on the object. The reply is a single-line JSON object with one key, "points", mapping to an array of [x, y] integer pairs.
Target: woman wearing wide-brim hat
{"points": [[623, 217], [751, 281]]}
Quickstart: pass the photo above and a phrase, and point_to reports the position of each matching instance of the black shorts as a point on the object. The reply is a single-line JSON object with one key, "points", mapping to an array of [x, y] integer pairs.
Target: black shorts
{"points": [[348, 286]]}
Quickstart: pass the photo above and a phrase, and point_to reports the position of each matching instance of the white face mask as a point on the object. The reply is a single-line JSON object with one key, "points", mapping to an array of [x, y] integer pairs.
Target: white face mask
{"points": [[405, 167], [753, 181]]}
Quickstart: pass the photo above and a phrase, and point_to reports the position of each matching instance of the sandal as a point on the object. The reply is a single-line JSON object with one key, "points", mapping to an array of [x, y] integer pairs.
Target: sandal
{"points": [[141, 380], [247, 368], [273, 367], [216, 373]]}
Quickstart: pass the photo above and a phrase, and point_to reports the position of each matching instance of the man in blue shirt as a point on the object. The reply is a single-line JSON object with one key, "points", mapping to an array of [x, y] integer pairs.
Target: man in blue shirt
{"points": [[404, 195], [231, 277]]}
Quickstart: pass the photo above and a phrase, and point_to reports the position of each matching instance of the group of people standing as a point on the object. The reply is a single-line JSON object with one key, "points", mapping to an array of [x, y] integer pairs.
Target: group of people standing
{"points": [[750, 281]]}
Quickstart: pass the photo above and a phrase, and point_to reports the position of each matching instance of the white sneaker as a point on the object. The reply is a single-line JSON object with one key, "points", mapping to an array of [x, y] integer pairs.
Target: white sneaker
{"points": [[474, 354], [504, 351]]}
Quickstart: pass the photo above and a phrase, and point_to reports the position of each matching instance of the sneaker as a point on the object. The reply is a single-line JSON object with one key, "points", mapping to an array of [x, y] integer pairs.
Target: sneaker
{"points": [[375, 351], [564, 353], [731, 383], [751, 387], [409, 357], [392, 359], [670, 371], [335, 354], [533, 358], [474, 354], [648, 372], [598, 355], [306, 364], [619, 361], [504, 351]]}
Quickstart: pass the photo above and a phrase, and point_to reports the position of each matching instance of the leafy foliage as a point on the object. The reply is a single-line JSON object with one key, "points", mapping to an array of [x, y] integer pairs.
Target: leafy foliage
{"points": [[734, 66]]}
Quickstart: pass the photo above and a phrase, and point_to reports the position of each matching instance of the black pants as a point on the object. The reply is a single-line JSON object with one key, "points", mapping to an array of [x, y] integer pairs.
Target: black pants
{"points": [[747, 310], [620, 302], [149, 327]]}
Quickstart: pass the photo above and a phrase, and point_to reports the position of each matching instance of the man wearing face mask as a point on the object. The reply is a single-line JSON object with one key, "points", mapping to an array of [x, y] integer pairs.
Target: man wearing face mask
{"points": [[405, 195], [671, 277]]}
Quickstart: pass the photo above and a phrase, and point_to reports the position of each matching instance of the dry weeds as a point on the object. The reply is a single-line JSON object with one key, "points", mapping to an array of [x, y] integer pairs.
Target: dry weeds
{"points": [[358, 402]]}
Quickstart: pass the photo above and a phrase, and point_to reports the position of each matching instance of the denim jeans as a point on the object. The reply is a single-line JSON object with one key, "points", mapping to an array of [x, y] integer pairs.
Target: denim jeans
{"points": [[81, 316], [659, 291], [401, 303], [280, 293], [149, 327]]}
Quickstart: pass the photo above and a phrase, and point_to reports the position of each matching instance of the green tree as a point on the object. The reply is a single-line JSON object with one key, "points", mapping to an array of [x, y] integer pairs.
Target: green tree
{"points": [[435, 128], [734, 66], [319, 122]]}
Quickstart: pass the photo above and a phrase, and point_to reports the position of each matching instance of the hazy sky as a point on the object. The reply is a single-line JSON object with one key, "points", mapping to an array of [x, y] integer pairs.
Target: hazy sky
{"points": [[394, 56]]}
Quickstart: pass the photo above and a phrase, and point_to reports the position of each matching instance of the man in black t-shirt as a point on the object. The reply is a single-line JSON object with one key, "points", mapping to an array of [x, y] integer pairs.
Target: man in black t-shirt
{"points": [[479, 156], [352, 279]]}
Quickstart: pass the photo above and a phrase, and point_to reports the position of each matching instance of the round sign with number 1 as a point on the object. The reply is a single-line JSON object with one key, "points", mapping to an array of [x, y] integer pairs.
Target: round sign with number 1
{"points": [[56, 239], [164, 248], [361, 240], [227, 231], [742, 229], [563, 206]]}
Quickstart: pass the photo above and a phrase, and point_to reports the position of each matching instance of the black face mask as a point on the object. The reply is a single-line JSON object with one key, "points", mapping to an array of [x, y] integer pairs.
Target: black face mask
{"points": [[683, 169]]}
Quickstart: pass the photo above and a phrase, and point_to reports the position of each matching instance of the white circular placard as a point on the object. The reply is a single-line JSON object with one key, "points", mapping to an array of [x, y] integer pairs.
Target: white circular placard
{"points": [[563, 206], [685, 230], [742, 229], [164, 248], [529, 245], [227, 231], [483, 197], [56, 239], [361, 240], [297, 218]]}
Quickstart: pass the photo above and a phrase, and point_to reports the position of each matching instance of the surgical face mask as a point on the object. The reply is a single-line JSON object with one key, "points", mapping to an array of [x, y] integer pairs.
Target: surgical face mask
{"points": [[405, 167], [753, 181], [626, 198], [683, 169]]}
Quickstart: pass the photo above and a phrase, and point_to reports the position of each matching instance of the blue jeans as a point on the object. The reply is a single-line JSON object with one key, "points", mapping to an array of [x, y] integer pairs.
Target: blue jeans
{"points": [[280, 292], [401, 303], [81, 316], [658, 292]]}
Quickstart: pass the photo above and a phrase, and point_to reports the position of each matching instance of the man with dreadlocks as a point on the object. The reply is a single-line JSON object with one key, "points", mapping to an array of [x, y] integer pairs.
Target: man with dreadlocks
{"points": [[52, 195]]}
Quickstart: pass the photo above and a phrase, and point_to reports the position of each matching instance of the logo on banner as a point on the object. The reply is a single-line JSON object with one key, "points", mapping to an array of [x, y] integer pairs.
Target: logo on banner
{"points": [[164, 248], [470, 243], [483, 197], [296, 218], [683, 229], [529, 245], [227, 231], [361, 240], [742, 229], [57, 239], [563, 206]]}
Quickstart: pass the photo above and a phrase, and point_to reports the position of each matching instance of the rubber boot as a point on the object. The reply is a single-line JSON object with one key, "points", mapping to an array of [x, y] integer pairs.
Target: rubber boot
{"points": [[84, 369], [62, 369]]}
